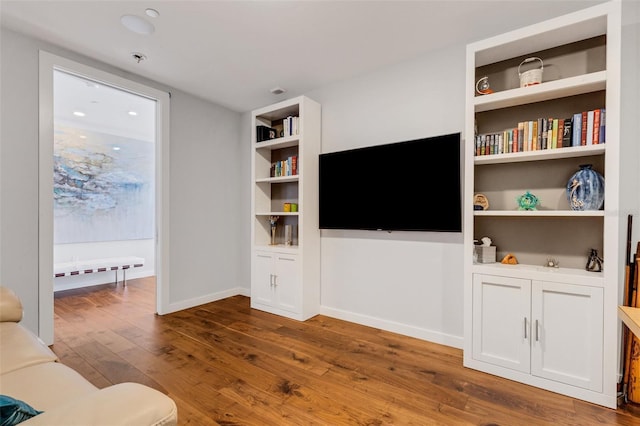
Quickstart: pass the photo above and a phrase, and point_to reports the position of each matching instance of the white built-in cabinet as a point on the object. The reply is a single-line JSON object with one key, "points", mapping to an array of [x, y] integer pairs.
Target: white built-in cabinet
{"points": [[548, 329], [277, 281], [285, 272], [551, 327]]}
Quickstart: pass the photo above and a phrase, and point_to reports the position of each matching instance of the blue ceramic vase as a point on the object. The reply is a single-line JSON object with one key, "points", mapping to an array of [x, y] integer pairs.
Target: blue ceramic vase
{"points": [[585, 189]]}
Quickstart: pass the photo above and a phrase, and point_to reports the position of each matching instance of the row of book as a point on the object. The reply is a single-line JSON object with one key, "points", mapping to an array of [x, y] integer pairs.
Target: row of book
{"points": [[583, 128], [291, 125], [288, 167]]}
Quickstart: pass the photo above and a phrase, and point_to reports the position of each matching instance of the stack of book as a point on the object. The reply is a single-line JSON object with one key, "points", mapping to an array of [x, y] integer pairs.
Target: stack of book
{"points": [[589, 127], [290, 125], [288, 167], [583, 128]]}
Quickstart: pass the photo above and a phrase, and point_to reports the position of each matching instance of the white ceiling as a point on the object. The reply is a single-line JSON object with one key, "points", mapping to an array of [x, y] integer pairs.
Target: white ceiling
{"points": [[233, 52], [105, 109]]}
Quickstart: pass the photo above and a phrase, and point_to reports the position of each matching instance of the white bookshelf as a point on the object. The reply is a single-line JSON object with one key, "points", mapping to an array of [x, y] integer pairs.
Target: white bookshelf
{"points": [[285, 276], [554, 328]]}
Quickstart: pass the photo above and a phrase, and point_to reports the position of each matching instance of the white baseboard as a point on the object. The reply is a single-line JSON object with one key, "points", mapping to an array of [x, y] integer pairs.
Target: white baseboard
{"points": [[212, 297], [395, 327], [392, 326]]}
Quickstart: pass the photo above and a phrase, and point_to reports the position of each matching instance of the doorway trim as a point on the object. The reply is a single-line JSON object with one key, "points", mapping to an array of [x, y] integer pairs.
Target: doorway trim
{"points": [[47, 64]]}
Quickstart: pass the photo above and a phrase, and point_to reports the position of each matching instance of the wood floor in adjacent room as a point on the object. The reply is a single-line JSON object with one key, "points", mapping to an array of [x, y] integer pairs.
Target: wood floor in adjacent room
{"points": [[226, 364]]}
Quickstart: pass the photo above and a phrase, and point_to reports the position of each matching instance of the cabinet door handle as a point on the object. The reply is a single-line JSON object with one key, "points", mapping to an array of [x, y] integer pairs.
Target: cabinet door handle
{"points": [[274, 280], [271, 280], [525, 328], [537, 333]]}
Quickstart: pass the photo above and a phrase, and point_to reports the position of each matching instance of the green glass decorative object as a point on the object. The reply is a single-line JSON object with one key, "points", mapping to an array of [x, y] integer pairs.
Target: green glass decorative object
{"points": [[528, 201]]}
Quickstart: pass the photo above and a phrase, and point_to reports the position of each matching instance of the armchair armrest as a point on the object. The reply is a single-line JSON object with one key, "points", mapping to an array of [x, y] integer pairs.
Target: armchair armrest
{"points": [[10, 306], [121, 404]]}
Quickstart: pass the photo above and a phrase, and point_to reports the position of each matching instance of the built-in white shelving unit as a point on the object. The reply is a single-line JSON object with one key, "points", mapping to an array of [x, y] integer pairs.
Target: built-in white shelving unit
{"points": [[285, 272], [554, 328]]}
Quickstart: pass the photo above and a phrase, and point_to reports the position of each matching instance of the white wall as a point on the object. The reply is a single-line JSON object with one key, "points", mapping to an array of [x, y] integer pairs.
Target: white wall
{"points": [[408, 282], [206, 181], [19, 171]]}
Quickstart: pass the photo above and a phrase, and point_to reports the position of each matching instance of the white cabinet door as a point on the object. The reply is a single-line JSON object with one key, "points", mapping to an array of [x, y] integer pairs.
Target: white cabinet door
{"points": [[277, 281], [567, 334], [501, 321], [287, 282], [263, 276]]}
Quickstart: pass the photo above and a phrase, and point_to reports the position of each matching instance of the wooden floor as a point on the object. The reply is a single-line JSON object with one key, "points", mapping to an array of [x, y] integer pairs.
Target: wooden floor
{"points": [[226, 364]]}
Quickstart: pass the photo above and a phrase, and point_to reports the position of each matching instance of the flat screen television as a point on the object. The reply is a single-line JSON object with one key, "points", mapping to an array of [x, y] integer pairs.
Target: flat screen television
{"points": [[403, 186]]}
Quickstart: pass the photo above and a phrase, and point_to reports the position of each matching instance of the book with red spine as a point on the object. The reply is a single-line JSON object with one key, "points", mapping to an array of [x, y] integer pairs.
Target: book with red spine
{"points": [[596, 126]]}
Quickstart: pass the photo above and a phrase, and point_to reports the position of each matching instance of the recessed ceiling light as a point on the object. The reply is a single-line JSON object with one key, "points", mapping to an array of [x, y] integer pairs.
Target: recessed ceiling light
{"points": [[137, 24], [278, 90], [79, 113], [116, 148], [133, 113], [83, 137], [152, 12]]}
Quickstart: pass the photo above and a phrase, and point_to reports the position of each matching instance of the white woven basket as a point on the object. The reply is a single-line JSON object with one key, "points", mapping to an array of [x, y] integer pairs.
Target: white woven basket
{"points": [[531, 77]]}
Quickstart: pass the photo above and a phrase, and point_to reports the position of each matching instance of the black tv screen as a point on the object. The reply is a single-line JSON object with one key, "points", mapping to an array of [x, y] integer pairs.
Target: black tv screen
{"points": [[403, 186]]}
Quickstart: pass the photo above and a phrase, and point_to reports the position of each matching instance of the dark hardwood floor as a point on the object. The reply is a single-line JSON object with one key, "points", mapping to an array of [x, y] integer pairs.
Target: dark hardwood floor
{"points": [[227, 364]]}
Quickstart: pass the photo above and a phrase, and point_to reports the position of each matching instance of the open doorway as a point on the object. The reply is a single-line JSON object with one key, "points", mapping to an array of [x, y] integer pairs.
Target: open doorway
{"points": [[75, 134], [103, 183]]}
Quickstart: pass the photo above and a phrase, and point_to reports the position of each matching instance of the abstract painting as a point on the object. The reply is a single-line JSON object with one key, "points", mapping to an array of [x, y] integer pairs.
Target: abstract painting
{"points": [[103, 188]]}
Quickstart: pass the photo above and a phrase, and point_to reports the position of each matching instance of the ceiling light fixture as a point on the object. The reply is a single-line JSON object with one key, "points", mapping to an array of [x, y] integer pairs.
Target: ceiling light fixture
{"points": [[278, 90], [138, 57], [79, 113], [152, 12], [133, 113], [137, 24]]}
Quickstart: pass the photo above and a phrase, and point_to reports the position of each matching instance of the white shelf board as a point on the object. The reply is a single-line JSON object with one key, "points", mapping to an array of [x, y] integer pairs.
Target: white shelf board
{"points": [[280, 248], [279, 179], [542, 154], [539, 213], [278, 143], [557, 31], [277, 213], [565, 87], [279, 110], [539, 272]]}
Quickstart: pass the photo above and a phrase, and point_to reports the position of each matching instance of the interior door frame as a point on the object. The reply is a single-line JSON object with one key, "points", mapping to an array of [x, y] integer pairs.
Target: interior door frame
{"points": [[47, 64]]}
